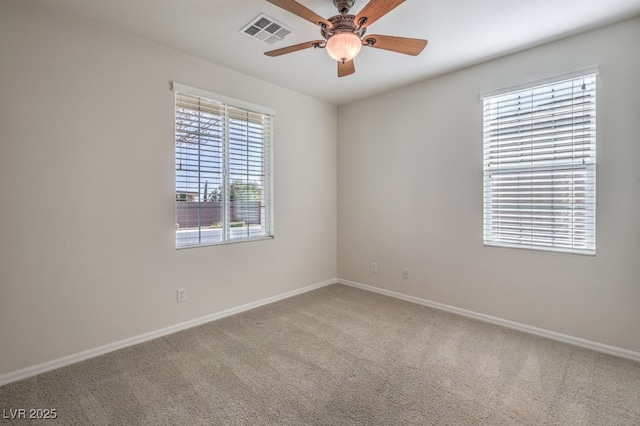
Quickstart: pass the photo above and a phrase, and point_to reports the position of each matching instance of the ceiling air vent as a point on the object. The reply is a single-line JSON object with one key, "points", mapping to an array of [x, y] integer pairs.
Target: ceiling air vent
{"points": [[266, 29]]}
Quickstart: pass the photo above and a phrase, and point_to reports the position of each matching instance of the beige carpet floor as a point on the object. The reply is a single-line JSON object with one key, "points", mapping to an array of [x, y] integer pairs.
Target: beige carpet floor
{"points": [[339, 356]]}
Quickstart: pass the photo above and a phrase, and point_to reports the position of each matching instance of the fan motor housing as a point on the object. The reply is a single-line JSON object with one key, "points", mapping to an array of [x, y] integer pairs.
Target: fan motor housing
{"points": [[342, 24]]}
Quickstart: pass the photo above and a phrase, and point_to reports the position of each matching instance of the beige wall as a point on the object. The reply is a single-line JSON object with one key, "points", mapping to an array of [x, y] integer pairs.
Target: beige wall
{"points": [[410, 196], [86, 121]]}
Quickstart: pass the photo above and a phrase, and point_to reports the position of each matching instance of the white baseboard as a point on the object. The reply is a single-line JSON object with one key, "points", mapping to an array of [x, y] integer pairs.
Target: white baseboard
{"points": [[571, 340], [101, 350], [91, 353]]}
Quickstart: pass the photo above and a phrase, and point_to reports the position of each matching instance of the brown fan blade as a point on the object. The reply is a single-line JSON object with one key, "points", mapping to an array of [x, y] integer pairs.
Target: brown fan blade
{"points": [[408, 46], [300, 10], [346, 68], [294, 48], [376, 9]]}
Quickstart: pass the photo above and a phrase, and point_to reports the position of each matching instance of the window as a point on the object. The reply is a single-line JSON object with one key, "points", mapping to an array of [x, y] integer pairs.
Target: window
{"points": [[540, 165], [223, 169]]}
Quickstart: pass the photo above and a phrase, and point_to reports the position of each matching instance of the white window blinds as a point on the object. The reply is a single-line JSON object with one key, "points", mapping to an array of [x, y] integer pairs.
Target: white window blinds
{"points": [[223, 171], [540, 166]]}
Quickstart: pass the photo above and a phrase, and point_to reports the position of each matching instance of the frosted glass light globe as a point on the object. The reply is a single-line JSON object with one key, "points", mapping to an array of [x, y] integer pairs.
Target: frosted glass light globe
{"points": [[344, 47]]}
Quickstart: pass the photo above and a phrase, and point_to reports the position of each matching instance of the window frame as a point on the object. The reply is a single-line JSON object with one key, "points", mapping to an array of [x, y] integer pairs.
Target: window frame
{"points": [[232, 113], [542, 161]]}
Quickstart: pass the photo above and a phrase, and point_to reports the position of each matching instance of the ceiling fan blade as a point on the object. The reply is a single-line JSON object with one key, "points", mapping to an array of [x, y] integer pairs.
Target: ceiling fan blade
{"points": [[294, 48], [346, 68], [300, 10], [408, 46], [376, 9]]}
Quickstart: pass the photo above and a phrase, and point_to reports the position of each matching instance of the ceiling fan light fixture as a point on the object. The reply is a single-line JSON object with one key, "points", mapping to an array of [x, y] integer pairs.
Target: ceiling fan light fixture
{"points": [[344, 47]]}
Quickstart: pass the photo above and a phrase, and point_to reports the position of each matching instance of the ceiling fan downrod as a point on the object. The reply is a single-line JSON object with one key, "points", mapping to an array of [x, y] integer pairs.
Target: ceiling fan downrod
{"points": [[343, 5]]}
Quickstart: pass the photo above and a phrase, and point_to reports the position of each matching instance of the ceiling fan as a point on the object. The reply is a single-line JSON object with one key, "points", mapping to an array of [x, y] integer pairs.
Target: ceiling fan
{"points": [[344, 34]]}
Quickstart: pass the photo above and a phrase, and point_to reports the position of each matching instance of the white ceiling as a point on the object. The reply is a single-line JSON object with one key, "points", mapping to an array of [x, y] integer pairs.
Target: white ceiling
{"points": [[460, 33]]}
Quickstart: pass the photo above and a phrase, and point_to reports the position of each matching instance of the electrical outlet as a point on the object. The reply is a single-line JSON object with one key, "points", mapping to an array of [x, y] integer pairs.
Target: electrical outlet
{"points": [[374, 267], [182, 295], [405, 274]]}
